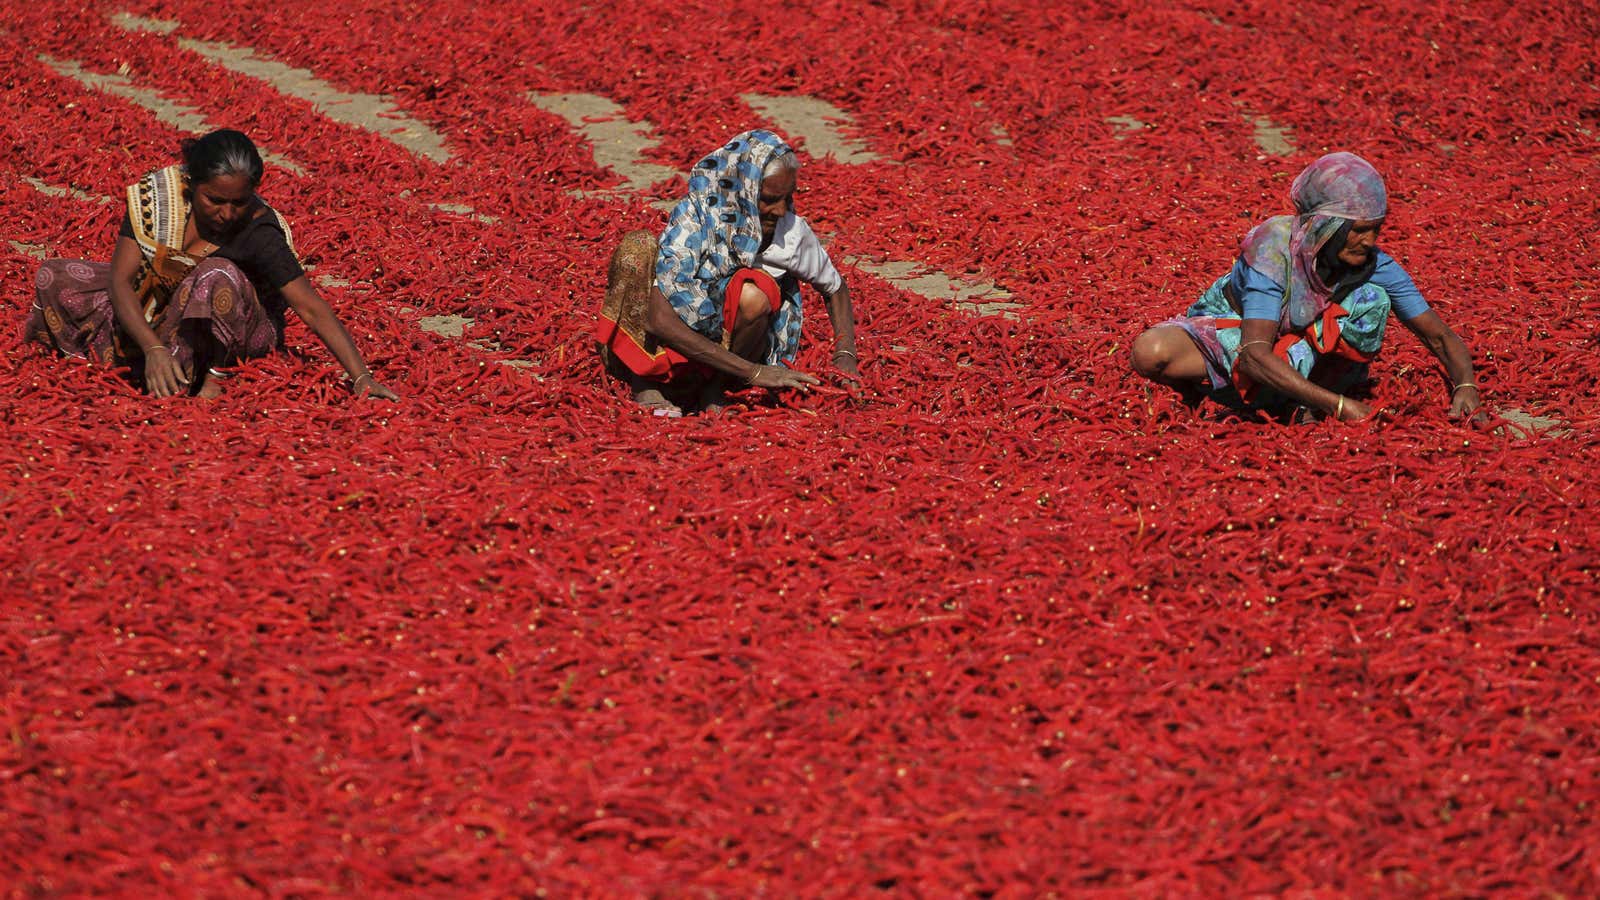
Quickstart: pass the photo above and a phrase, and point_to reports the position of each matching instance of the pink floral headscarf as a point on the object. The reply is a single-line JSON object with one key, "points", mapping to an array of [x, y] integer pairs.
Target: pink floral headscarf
{"points": [[1337, 188]]}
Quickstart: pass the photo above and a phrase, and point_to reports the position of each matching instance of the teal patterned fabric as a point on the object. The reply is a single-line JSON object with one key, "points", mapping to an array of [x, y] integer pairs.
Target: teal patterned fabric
{"points": [[1362, 327]]}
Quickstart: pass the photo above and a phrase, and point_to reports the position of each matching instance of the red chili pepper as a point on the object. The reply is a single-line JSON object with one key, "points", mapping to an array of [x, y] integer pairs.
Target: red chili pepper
{"points": [[1005, 621]]}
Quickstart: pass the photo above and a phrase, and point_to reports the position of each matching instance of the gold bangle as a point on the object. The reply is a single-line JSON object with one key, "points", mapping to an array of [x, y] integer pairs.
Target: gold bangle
{"points": [[1465, 384], [850, 353], [1248, 343], [754, 374], [357, 380], [156, 347], [1338, 412]]}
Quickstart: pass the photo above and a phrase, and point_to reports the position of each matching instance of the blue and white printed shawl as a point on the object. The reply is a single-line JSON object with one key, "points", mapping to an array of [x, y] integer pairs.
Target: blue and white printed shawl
{"points": [[715, 231]]}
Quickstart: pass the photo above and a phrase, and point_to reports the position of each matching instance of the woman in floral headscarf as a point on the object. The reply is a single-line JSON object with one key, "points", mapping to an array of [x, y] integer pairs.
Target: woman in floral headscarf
{"points": [[716, 303], [1304, 308]]}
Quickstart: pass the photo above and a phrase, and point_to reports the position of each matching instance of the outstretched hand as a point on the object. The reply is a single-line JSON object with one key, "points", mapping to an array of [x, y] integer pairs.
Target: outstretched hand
{"points": [[367, 386], [778, 378], [1467, 402], [163, 377], [1353, 410]]}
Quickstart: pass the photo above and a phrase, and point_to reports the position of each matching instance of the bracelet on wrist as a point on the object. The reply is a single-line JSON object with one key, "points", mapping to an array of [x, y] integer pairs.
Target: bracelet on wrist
{"points": [[754, 374], [1465, 384], [843, 352], [1338, 412], [156, 347]]}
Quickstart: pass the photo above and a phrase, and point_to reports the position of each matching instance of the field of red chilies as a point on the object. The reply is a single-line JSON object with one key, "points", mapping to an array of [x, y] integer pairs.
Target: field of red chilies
{"points": [[1003, 620]]}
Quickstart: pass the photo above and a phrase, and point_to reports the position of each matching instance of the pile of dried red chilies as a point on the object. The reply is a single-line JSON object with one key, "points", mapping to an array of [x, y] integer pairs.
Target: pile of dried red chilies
{"points": [[1001, 620]]}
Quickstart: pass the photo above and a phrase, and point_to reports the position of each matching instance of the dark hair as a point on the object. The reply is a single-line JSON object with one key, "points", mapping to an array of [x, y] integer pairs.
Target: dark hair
{"points": [[222, 152], [1329, 266]]}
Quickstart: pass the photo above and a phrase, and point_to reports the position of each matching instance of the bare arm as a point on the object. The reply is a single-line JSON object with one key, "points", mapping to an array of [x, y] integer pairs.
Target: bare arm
{"points": [[1452, 352], [1256, 361], [125, 261], [321, 319], [163, 377], [843, 320], [663, 324]]}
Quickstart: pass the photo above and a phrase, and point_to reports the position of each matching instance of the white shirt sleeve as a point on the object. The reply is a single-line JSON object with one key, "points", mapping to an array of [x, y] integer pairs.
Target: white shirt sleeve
{"points": [[795, 250]]}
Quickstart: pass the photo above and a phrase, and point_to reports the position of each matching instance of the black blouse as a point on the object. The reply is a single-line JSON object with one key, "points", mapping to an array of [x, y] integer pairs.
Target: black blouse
{"points": [[261, 251]]}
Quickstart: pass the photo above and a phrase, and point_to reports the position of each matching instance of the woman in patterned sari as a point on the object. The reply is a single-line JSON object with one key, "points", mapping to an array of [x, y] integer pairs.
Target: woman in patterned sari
{"points": [[201, 276], [1303, 310], [716, 303]]}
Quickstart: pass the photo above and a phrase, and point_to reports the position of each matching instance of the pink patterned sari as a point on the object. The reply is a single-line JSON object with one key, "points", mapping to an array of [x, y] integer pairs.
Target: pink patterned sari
{"points": [[203, 310]]}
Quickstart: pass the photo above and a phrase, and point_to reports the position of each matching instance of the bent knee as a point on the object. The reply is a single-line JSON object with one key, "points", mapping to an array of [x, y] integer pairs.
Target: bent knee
{"points": [[1154, 350], [753, 303], [217, 264]]}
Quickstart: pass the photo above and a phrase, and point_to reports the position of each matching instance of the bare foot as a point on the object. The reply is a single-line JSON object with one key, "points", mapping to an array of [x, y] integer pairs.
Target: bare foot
{"points": [[651, 398], [210, 388]]}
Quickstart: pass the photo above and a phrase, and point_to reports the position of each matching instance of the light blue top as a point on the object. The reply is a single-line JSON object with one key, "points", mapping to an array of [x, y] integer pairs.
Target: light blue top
{"points": [[1262, 298]]}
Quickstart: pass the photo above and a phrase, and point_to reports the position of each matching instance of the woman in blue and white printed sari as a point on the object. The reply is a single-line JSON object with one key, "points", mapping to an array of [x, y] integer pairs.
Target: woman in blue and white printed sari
{"points": [[716, 302]]}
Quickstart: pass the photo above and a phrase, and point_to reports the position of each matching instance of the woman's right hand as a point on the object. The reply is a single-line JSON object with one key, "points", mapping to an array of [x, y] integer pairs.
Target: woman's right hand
{"points": [[163, 377], [779, 378]]}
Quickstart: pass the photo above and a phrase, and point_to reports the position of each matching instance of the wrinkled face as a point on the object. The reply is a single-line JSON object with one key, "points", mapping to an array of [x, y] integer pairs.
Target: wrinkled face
{"points": [[1361, 242], [777, 198], [220, 205]]}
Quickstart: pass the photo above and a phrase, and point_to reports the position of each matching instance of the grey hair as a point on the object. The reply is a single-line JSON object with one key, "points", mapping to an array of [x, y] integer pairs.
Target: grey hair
{"points": [[222, 152], [783, 162]]}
